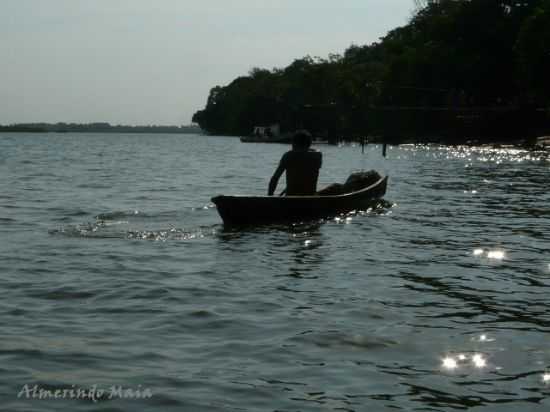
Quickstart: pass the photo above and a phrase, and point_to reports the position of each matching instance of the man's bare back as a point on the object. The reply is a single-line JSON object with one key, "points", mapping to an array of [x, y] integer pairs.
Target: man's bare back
{"points": [[301, 165]]}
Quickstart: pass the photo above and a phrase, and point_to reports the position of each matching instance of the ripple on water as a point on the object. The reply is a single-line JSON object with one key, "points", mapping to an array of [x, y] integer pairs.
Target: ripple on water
{"points": [[122, 230], [115, 215], [60, 294]]}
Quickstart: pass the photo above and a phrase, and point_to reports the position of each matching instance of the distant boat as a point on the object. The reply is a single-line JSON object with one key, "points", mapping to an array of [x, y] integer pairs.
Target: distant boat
{"points": [[272, 134], [243, 210], [285, 138], [267, 134], [256, 139]]}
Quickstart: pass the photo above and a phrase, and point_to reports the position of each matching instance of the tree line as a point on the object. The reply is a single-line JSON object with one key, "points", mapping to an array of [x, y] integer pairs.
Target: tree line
{"points": [[458, 65], [98, 127]]}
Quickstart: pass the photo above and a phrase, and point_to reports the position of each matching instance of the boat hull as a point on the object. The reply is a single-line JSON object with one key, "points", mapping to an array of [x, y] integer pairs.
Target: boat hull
{"points": [[242, 210]]}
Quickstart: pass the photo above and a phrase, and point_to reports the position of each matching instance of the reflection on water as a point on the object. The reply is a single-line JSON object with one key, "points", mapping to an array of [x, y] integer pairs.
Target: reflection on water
{"points": [[463, 361], [450, 363], [300, 245], [495, 254], [490, 254], [479, 361], [307, 254], [484, 338]]}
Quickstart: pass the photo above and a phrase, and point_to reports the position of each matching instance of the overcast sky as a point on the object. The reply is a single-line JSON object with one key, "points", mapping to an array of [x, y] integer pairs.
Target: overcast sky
{"points": [[154, 61]]}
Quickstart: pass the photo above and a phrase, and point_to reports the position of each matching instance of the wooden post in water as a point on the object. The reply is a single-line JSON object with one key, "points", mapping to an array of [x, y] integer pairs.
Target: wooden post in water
{"points": [[384, 149]]}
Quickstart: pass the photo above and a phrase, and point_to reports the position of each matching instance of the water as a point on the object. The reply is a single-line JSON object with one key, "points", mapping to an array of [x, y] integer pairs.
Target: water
{"points": [[117, 272]]}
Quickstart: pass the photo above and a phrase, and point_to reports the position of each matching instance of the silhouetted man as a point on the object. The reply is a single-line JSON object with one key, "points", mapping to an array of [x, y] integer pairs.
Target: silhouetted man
{"points": [[302, 166]]}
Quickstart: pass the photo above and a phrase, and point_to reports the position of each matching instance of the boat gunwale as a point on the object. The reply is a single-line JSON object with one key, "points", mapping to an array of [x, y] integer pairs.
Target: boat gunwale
{"points": [[309, 197]]}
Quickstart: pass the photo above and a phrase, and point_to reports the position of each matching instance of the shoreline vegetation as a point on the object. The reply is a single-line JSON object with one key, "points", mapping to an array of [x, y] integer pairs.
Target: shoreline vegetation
{"points": [[460, 71], [95, 128]]}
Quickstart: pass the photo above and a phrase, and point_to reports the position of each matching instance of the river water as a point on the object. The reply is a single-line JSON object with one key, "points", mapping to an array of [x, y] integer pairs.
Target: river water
{"points": [[122, 291]]}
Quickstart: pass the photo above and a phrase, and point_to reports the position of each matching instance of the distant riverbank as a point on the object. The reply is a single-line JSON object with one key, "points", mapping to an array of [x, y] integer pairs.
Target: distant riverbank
{"points": [[95, 128]]}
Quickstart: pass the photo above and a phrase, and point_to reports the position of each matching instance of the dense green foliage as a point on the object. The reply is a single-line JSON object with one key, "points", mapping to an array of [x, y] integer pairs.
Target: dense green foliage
{"points": [[453, 54]]}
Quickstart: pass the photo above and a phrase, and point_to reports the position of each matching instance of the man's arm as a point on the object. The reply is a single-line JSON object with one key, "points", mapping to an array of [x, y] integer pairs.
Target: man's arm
{"points": [[275, 179]]}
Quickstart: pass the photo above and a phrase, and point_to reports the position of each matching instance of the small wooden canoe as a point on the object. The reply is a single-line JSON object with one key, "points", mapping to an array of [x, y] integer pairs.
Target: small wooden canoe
{"points": [[242, 210]]}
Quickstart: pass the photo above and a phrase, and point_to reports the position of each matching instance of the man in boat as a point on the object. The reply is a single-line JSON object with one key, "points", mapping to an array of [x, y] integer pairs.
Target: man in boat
{"points": [[301, 165]]}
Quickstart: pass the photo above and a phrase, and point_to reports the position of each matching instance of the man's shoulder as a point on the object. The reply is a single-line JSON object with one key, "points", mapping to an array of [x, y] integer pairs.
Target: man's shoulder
{"points": [[314, 154], [286, 155], [309, 152]]}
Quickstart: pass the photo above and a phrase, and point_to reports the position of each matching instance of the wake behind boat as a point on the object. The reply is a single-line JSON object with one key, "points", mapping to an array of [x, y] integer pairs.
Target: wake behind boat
{"points": [[241, 210]]}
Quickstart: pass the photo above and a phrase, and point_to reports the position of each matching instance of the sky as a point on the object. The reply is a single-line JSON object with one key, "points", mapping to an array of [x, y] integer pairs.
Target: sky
{"points": [[146, 62]]}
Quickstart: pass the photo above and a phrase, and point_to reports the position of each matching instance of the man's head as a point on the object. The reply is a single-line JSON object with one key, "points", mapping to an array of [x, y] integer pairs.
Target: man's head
{"points": [[301, 140]]}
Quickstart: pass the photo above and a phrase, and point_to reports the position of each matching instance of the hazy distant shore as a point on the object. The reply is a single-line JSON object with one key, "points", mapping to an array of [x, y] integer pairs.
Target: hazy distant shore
{"points": [[94, 128]]}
